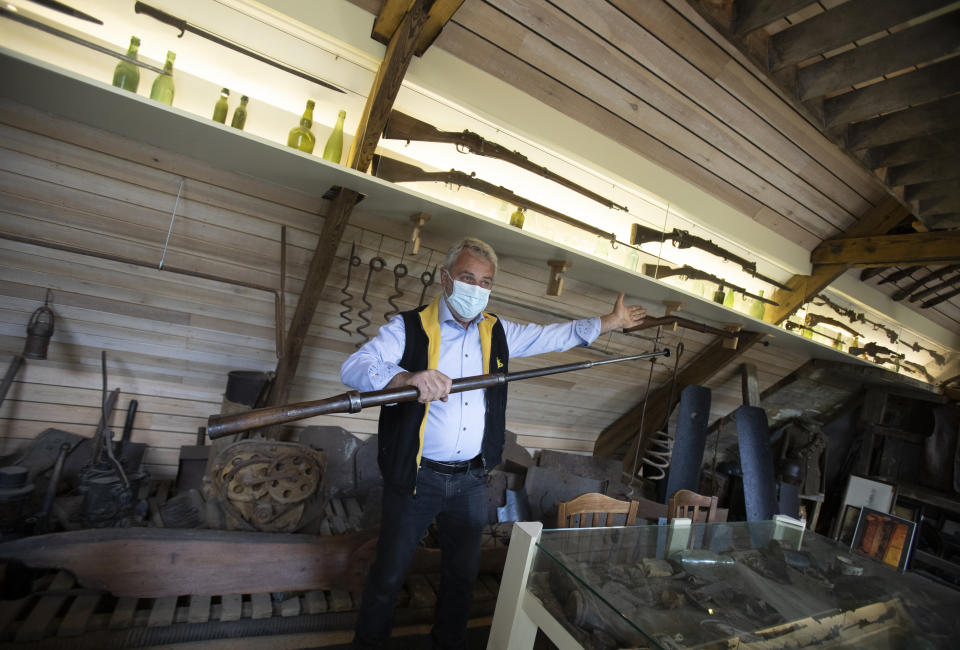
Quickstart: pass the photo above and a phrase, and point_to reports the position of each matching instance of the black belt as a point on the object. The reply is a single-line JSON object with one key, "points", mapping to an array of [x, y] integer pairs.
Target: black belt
{"points": [[452, 467]]}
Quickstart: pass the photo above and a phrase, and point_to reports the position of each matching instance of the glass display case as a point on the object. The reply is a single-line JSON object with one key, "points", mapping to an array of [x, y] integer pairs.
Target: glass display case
{"points": [[724, 585]]}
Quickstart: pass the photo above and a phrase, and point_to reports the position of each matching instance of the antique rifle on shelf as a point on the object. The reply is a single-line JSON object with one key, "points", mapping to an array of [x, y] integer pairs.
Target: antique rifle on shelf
{"points": [[936, 356], [896, 276], [876, 351], [929, 277], [660, 271], [946, 284], [791, 326], [817, 319], [403, 127], [916, 368], [640, 234], [395, 171], [933, 302], [353, 401], [857, 317]]}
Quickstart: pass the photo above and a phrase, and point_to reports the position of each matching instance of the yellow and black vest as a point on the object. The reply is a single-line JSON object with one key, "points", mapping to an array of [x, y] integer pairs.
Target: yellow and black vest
{"points": [[400, 431]]}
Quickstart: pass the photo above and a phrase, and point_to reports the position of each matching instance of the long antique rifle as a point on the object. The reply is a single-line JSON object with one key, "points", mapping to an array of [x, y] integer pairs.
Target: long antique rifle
{"points": [[403, 127], [640, 234], [817, 319], [929, 277], [661, 271], [354, 402], [929, 291], [396, 171]]}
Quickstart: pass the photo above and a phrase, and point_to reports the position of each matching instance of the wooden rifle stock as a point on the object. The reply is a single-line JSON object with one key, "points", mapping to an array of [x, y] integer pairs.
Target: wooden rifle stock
{"points": [[403, 127], [353, 401]]}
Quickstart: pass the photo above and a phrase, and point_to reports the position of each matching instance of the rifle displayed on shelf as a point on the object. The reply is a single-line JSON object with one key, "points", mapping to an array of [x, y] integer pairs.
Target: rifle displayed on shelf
{"points": [[660, 271], [403, 127], [936, 356], [354, 402], [876, 351], [857, 317], [896, 276], [817, 319], [933, 302], [910, 366], [946, 284], [929, 277], [791, 327], [390, 169], [640, 234]]}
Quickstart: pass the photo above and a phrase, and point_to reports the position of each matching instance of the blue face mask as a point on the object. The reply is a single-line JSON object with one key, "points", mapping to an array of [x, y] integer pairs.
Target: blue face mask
{"points": [[467, 300]]}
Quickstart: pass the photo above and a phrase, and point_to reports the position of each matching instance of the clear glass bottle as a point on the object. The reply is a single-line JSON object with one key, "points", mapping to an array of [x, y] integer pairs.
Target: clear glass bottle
{"points": [[222, 107], [333, 149], [602, 247], [240, 114], [516, 219], [162, 89], [301, 137], [127, 75], [633, 259], [758, 308]]}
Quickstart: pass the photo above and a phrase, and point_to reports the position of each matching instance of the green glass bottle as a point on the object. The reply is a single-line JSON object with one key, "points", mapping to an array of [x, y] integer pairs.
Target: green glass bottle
{"points": [[300, 136], [838, 342], [127, 75], [758, 308], [516, 219], [333, 150], [162, 89], [807, 331], [240, 113], [221, 108], [728, 299], [718, 295]]}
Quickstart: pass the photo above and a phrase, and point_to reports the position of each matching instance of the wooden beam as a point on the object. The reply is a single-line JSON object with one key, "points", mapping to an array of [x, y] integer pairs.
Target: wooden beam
{"points": [[927, 41], [941, 169], [940, 145], [924, 120], [379, 103], [393, 11], [940, 205], [944, 221], [924, 85], [749, 384], [913, 248], [754, 14], [929, 190], [844, 24]]}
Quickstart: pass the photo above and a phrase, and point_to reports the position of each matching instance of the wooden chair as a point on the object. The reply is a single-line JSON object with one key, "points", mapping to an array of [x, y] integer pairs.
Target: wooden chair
{"points": [[688, 504], [598, 505]]}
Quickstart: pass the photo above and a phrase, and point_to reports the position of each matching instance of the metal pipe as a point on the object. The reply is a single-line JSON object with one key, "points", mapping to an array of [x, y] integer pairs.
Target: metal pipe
{"points": [[353, 401]]}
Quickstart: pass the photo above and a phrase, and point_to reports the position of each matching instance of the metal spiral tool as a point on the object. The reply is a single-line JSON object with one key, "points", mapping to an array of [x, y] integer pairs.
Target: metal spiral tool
{"points": [[345, 303], [655, 463], [399, 272], [376, 264], [426, 279]]}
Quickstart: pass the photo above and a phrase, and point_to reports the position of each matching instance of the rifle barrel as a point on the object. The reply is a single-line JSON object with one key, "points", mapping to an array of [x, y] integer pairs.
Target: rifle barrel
{"points": [[353, 401]]}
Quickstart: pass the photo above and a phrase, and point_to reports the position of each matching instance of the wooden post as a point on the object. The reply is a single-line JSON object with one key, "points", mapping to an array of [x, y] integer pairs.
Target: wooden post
{"points": [[557, 269], [749, 385], [379, 104]]}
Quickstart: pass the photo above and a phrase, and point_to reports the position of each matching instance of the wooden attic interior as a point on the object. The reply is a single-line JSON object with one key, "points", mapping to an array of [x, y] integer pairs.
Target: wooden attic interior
{"points": [[817, 138]]}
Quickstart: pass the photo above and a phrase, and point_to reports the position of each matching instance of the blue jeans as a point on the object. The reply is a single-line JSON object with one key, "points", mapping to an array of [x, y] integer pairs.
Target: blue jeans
{"points": [[459, 504]]}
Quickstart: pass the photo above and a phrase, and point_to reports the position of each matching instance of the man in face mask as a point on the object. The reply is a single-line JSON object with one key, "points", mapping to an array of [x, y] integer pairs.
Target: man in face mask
{"points": [[434, 453]]}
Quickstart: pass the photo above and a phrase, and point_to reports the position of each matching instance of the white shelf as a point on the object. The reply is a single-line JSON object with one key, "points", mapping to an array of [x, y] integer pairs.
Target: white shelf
{"points": [[54, 90]]}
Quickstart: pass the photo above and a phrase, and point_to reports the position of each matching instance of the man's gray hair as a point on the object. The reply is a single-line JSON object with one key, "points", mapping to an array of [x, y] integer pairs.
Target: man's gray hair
{"points": [[475, 246]]}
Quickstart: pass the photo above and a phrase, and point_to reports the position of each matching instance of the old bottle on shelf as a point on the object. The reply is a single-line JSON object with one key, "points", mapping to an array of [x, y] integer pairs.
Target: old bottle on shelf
{"points": [[516, 219], [333, 150], [633, 259], [718, 295], [838, 342], [222, 106], [240, 114], [127, 75], [162, 89], [301, 137], [758, 308], [728, 299]]}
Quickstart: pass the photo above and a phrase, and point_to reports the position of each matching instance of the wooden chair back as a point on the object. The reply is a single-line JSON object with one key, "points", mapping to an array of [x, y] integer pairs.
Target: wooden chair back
{"points": [[688, 504], [601, 507]]}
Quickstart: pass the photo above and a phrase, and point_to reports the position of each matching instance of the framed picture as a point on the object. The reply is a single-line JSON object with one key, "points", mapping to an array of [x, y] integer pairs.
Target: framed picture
{"points": [[848, 524], [867, 493], [884, 537]]}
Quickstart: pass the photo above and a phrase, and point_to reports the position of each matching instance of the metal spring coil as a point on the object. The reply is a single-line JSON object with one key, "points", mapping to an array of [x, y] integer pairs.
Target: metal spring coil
{"points": [[657, 460]]}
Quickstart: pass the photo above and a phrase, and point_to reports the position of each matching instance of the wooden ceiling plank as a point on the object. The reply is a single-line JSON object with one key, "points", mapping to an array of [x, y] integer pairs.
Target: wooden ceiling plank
{"points": [[749, 15], [929, 190], [924, 85], [942, 145], [941, 169], [844, 24], [476, 50], [388, 19], [944, 221], [383, 92], [514, 37], [624, 66], [907, 124], [641, 47], [927, 41], [940, 205], [914, 248]]}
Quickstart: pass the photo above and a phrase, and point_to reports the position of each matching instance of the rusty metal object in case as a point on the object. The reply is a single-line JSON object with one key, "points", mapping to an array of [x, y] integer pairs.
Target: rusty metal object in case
{"points": [[269, 486], [39, 331]]}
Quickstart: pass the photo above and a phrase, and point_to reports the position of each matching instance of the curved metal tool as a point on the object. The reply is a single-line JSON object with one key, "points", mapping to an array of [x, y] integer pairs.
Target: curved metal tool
{"points": [[399, 272], [345, 303], [376, 264], [660, 452], [426, 279]]}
